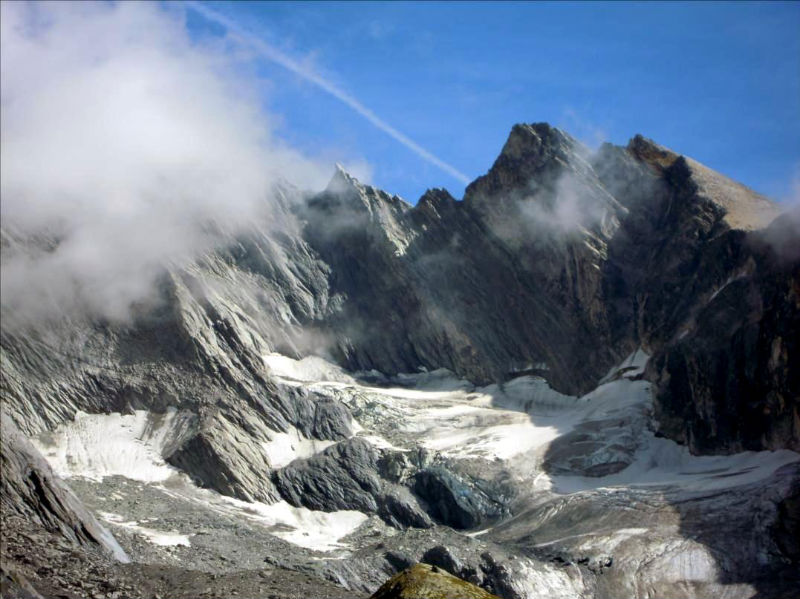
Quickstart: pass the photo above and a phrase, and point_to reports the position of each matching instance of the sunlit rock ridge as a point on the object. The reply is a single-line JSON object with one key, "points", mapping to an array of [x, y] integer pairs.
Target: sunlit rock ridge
{"points": [[580, 380]]}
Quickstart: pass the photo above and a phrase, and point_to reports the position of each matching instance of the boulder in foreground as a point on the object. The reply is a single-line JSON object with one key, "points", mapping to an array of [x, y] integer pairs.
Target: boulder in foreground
{"points": [[422, 581]]}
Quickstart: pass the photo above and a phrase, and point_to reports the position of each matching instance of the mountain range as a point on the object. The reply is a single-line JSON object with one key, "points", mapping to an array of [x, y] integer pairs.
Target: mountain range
{"points": [[581, 380]]}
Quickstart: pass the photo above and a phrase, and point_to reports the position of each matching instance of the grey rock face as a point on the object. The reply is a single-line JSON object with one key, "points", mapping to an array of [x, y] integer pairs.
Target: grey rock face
{"points": [[398, 507], [342, 477], [330, 420], [221, 457], [31, 489], [453, 500], [595, 255], [199, 350], [728, 380], [345, 477], [556, 257], [450, 261], [786, 529], [15, 586]]}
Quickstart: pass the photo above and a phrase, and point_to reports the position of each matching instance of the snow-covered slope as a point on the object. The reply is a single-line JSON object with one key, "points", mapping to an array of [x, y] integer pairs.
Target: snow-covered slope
{"points": [[577, 481]]}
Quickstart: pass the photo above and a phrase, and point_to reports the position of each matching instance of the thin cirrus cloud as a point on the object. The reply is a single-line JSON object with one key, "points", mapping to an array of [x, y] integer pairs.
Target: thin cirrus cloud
{"points": [[271, 53]]}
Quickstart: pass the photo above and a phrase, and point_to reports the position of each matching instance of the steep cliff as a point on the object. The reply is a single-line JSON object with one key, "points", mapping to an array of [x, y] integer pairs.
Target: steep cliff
{"points": [[728, 380]]}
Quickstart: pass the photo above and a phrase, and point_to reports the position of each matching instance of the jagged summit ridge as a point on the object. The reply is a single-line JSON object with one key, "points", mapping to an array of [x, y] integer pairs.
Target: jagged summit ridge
{"points": [[344, 184], [342, 179], [524, 159], [536, 156], [744, 208]]}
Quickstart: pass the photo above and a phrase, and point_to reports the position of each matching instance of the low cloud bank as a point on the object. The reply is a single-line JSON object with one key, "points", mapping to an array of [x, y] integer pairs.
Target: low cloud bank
{"points": [[126, 146]]}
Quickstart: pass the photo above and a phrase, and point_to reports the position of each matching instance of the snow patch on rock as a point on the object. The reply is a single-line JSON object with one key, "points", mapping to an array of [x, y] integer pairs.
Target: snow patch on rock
{"points": [[320, 531], [94, 446], [311, 529], [156, 537], [308, 369], [630, 367], [286, 447]]}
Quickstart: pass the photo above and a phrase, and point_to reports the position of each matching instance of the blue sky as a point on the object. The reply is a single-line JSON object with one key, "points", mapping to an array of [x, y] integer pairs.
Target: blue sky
{"points": [[719, 82]]}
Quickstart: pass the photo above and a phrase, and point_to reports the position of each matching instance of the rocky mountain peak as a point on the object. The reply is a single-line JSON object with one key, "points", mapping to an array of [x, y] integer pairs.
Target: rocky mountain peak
{"points": [[538, 139], [342, 181], [651, 153], [743, 208], [343, 185], [536, 152], [434, 201]]}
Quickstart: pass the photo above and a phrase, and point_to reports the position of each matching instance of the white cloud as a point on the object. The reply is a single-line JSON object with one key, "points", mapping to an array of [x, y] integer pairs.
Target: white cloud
{"points": [[589, 133], [123, 140]]}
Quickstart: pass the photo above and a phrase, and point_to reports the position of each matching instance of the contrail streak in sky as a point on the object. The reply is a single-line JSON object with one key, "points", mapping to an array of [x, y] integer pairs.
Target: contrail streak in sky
{"points": [[273, 54]]}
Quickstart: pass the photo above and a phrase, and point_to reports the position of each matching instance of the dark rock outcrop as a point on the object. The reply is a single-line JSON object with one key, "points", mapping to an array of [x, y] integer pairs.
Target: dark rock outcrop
{"points": [[453, 500], [442, 557], [343, 477], [219, 456], [728, 381], [398, 507], [346, 476], [786, 530]]}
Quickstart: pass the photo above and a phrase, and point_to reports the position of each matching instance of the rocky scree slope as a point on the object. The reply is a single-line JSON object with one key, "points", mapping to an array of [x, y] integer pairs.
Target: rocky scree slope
{"points": [[558, 262]]}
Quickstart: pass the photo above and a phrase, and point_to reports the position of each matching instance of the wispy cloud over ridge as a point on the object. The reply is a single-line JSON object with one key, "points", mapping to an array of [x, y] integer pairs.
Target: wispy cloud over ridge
{"points": [[126, 148], [277, 56]]}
